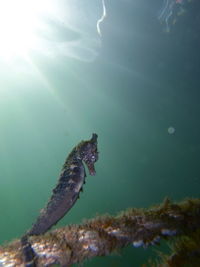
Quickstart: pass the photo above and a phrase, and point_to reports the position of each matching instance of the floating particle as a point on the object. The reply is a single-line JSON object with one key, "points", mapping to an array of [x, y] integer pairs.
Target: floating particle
{"points": [[171, 130]]}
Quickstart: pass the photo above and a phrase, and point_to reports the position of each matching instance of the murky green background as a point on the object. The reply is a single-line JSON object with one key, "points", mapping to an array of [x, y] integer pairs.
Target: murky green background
{"points": [[142, 82]]}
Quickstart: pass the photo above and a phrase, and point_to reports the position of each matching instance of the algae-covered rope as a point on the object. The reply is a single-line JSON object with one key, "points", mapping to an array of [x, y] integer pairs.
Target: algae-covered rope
{"points": [[105, 234]]}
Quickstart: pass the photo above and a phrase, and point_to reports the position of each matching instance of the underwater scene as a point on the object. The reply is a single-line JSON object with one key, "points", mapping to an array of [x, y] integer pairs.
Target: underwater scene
{"points": [[99, 133]]}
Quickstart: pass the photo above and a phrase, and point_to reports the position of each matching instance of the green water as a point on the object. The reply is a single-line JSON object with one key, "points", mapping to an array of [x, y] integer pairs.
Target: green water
{"points": [[141, 82]]}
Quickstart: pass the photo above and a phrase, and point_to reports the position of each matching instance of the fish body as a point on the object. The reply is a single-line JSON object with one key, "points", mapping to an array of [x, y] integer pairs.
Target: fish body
{"points": [[63, 198], [65, 194]]}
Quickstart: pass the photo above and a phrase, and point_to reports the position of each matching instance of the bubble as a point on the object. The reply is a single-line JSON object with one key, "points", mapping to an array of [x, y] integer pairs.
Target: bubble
{"points": [[171, 130]]}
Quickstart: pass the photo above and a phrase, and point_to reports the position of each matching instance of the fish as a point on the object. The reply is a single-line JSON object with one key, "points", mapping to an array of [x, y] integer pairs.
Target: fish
{"points": [[65, 194]]}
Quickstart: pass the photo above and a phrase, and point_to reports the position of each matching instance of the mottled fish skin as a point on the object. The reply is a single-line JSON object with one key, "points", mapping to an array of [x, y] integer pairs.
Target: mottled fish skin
{"points": [[69, 185], [63, 198], [66, 192], [28, 252]]}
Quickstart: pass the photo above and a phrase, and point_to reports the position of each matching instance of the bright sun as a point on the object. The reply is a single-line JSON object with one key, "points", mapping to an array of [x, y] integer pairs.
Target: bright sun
{"points": [[19, 21], [50, 27]]}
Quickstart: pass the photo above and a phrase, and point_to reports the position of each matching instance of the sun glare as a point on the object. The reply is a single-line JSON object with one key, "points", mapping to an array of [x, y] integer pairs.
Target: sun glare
{"points": [[52, 28], [19, 21]]}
